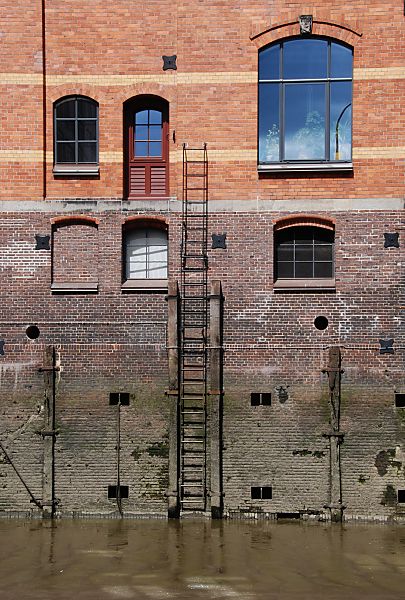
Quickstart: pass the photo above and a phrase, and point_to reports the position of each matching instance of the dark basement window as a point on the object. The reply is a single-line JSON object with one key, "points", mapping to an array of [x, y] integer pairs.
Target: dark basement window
{"points": [[401, 496], [119, 398], [400, 400], [260, 399], [112, 491], [261, 493]]}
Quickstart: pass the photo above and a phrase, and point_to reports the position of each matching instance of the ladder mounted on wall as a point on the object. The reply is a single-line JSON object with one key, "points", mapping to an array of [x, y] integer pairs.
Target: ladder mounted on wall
{"points": [[194, 330]]}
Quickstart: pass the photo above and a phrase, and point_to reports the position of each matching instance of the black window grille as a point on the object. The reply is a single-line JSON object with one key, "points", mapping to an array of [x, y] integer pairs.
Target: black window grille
{"points": [[304, 252], [76, 131]]}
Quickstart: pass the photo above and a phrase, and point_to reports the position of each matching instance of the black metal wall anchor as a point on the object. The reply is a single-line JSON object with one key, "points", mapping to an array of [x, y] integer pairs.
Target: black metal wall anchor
{"points": [[2, 342], [169, 62], [218, 241], [391, 240], [42, 242], [386, 346]]}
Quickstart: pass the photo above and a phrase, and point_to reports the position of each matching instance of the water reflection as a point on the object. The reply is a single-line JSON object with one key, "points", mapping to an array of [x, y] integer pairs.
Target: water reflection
{"points": [[199, 559]]}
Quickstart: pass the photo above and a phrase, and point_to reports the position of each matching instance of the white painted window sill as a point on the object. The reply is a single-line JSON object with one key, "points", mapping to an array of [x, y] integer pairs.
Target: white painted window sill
{"points": [[79, 170], [304, 167]]}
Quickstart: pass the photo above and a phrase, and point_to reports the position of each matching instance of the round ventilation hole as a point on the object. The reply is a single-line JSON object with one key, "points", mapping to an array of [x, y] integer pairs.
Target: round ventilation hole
{"points": [[32, 332], [321, 323]]}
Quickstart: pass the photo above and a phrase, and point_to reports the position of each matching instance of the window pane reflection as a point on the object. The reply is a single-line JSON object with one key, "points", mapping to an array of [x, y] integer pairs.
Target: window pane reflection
{"points": [[341, 61], [341, 120], [269, 63], [305, 59], [269, 122], [305, 121]]}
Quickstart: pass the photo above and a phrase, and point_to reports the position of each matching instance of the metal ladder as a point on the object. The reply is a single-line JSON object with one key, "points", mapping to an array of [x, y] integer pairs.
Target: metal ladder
{"points": [[194, 325]]}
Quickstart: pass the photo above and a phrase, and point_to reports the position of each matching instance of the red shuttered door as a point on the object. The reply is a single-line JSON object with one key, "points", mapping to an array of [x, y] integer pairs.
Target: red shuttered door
{"points": [[147, 147]]}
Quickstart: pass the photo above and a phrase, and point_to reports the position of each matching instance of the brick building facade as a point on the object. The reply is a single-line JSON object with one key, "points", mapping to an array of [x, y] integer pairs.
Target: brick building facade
{"points": [[301, 108]]}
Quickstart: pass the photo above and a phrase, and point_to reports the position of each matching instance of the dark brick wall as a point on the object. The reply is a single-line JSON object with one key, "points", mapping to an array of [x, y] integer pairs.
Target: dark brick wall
{"points": [[116, 341]]}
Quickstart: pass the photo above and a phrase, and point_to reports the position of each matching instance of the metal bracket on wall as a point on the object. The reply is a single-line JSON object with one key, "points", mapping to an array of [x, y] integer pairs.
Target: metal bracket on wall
{"points": [[218, 241], [42, 242], [169, 62], [386, 346], [391, 240]]}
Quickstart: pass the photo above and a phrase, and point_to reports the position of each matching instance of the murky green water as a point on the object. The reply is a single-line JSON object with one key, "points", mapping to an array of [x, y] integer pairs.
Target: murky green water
{"points": [[198, 559]]}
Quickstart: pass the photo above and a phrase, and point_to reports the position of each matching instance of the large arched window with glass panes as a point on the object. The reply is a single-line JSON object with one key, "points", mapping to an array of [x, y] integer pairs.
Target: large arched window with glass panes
{"points": [[305, 104]]}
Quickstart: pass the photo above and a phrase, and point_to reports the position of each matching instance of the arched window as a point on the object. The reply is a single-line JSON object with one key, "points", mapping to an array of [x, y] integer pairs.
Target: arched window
{"points": [[145, 255], [76, 134], [304, 255], [305, 105], [147, 148]]}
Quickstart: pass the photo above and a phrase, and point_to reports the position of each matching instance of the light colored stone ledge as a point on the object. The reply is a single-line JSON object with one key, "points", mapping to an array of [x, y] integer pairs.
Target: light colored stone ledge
{"points": [[173, 205], [217, 156], [175, 78]]}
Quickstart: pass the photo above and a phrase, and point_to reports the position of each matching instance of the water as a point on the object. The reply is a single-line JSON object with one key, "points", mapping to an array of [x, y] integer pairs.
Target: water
{"points": [[200, 560]]}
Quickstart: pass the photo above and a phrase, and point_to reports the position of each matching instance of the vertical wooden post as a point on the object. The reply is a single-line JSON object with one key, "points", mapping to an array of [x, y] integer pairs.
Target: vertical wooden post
{"points": [[48, 433], [173, 398], [216, 398], [335, 436]]}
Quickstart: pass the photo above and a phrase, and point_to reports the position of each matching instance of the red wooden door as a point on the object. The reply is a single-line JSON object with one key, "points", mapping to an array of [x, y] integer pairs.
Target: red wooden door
{"points": [[147, 131]]}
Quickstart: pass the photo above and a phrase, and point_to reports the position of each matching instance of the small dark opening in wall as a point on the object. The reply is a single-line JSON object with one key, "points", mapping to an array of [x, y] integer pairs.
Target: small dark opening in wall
{"points": [[261, 493], [401, 496], [260, 399], [32, 332], [288, 515], [119, 398], [321, 323], [267, 493], [255, 493], [400, 400], [112, 491]]}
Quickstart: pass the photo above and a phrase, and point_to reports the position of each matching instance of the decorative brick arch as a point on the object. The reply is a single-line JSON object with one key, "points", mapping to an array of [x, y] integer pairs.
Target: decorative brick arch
{"points": [[341, 30], [67, 220], [142, 221], [304, 220]]}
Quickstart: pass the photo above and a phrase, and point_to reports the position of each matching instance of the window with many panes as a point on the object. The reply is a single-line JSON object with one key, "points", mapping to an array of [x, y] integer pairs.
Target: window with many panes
{"points": [[305, 104], [145, 257], [304, 253], [76, 131]]}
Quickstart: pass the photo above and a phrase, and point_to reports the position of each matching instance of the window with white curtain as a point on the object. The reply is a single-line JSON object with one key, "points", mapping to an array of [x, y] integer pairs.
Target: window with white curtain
{"points": [[146, 254]]}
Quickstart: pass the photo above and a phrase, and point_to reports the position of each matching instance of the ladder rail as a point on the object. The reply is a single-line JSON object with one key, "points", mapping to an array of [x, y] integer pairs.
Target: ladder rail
{"points": [[194, 327]]}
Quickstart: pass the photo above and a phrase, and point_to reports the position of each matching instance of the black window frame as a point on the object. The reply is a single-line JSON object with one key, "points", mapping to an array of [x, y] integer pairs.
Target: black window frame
{"points": [[304, 164], [306, 229], [76, 163]]}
